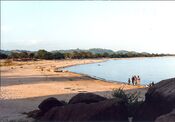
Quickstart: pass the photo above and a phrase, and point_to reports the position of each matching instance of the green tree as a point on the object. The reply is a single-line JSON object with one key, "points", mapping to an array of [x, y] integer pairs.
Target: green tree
{"points": [[31, 55], [106, 55], [15, 55], [68, 55], [76, 55], [3, 56], [43, 54], [98, 55], [58, 55], [23, 55]]}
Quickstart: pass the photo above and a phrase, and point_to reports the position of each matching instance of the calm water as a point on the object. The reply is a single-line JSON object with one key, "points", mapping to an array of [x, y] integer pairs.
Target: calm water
{"points": [[149, 69]]}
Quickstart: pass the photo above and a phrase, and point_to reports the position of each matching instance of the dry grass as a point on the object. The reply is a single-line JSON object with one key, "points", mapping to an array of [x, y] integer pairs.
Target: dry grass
{"points": [[10, 62]]}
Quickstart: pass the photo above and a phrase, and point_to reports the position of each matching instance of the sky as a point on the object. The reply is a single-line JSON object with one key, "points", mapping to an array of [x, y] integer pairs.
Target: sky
{"points": [[143, 26]]}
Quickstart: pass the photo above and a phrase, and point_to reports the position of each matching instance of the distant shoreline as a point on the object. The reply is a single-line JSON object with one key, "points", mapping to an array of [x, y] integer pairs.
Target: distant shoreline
{"points": [[75, 54], [112, 81]]}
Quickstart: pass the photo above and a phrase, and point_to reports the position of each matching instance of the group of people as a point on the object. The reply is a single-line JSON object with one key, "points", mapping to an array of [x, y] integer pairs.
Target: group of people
{"points": [[135, 80]]}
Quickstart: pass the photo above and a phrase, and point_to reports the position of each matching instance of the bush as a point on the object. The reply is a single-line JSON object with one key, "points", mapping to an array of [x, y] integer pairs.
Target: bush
{"points": [[3, 56], [131, 100], [128, 98], [119, 93]]}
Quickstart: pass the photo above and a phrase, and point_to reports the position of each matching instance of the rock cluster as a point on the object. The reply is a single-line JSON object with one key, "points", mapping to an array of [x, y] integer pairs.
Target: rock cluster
{"points": [[158, 106], [82, 107], [159, 100]]}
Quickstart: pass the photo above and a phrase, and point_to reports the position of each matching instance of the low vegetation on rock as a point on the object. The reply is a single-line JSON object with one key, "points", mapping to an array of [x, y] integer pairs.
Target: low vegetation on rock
{"points": [[131, 100]]}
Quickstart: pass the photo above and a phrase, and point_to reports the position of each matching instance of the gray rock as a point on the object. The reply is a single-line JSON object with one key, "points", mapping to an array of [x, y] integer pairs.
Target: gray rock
{"points": [[86, 98], [170, 117], [49, 103], [108, 110], [159, 100]]}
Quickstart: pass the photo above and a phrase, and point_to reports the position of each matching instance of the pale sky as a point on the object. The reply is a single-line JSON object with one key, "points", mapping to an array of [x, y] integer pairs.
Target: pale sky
{"points": [[144, 26]]}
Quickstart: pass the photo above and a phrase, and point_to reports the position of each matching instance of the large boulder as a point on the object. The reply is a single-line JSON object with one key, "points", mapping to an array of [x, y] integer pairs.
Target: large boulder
{"points": [[159, 100], [108, 110], [86, 98], [170, 117], [49, 103]]}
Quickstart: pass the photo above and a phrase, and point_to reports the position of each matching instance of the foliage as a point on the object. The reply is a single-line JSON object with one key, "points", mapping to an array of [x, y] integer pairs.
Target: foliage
{"points": [[57, 55], [42, 54], [14, 55], [3, 56], [76, 54], [119, 93], [128, 98], [131, 100]]}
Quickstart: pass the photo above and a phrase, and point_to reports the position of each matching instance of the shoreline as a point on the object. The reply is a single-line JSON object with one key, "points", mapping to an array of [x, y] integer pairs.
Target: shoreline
{"points": [[107, 59], [101, 60], [92, 77], [20, 63], [24, 87], [95, 77], [101, 79]]}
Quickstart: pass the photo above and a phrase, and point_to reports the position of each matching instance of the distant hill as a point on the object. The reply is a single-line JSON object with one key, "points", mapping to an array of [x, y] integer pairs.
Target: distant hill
{"points": [[71, 50], [9, 52], [92, 50], [121, 52], [100, 51], [126, 52], [19, 51], [5, 52]]}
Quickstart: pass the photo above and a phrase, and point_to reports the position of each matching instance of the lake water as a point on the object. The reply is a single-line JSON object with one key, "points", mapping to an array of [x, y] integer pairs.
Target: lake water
{"points": [[149, 69]]}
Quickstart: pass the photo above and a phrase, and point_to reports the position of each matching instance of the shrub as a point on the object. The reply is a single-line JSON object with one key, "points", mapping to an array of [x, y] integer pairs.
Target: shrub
{"points": [[131, 100], [119, 93], [128, 98], [3, 56]]}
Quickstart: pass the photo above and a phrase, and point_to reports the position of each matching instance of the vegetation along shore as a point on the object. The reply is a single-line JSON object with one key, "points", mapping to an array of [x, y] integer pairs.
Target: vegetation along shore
{"points": [[74, 54]]}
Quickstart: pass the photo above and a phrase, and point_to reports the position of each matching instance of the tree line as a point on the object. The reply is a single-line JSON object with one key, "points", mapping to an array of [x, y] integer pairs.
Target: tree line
{"points": [[43, 54]]}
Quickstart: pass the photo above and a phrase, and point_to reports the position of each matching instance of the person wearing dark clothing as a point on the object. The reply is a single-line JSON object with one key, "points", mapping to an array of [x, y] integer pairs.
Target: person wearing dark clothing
{"points": [[129, 81], [132, 80]]}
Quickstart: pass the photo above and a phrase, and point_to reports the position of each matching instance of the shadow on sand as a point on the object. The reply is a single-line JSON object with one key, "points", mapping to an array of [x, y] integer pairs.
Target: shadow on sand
{"points": [[12, 107], [10, 80]]}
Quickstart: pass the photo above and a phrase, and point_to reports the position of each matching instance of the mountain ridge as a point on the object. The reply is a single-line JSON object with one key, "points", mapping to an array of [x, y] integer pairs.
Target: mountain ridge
{"points": [[92, 50]]}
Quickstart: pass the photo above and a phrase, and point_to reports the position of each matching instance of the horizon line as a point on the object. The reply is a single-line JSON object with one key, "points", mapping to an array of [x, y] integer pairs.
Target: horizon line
{"points": [[83, 49]]}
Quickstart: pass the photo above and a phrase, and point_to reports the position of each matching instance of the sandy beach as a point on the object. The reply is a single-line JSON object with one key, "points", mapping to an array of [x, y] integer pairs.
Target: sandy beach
{"points": [[25, 85]]}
